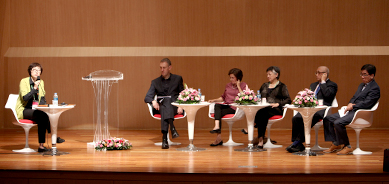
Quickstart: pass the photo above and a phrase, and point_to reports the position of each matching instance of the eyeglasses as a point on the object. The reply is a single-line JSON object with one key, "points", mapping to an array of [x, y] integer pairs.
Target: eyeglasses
{"points": [[363, 75], [316, 73], [36, 71]]}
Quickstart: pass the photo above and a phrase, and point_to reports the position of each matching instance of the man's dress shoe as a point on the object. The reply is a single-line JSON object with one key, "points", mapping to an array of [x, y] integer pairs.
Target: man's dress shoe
{"points": [[174, 133], [60, 140], [297, 148], [290, 146], [165, 145]]}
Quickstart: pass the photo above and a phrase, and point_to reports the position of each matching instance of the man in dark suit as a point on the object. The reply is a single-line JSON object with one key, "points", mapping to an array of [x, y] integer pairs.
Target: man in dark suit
{"points": [[167, 88], [367, 95], [324, 89]]}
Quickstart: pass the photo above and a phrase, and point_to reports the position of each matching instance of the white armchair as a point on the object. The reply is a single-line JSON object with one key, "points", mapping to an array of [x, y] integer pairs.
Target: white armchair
{"points": [[230, 119], [363, 118], [272, 120], [25, 123], [158, 117]]}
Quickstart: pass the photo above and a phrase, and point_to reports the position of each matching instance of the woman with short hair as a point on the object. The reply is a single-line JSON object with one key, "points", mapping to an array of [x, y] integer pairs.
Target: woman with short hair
{"points": [[231, 90], [277, 95]]}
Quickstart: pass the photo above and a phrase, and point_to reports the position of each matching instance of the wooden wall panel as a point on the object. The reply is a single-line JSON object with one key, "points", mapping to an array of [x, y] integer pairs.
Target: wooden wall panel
{"points": [[187, 23], [197, 51], [63, 75], [4, 45], [58, 23]]}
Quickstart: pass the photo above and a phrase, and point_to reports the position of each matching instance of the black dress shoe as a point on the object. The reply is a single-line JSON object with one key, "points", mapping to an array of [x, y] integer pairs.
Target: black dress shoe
{"points": [[297, 148], [215, 131], [44, 149], [59, 140], [261, 148], [220, 143], [244, 131], [290, 146], [174, 133], [165, 145]]}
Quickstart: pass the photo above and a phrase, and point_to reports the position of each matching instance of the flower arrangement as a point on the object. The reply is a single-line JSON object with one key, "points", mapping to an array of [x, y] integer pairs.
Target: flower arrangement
{"points": [[113, 144], [246, 97], [188, 96], [305, 98]]}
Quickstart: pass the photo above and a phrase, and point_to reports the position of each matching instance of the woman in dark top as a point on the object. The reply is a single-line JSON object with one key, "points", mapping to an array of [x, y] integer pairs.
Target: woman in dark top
{"points": [[230, 92], [277, 95]]}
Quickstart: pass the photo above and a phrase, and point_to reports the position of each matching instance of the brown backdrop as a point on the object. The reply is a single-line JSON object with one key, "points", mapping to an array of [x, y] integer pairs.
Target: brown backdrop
{"points": [[185, 23]]}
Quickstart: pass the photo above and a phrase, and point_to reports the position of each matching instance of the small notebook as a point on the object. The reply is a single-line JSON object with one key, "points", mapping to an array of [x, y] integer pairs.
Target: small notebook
{"points": [[341, 111]]}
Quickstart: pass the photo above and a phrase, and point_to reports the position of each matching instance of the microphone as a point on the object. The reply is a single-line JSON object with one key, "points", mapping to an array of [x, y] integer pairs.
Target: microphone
{"points": [[38, 78]]}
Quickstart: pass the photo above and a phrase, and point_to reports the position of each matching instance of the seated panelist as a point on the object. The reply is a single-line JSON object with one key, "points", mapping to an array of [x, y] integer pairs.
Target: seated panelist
{"points": [[277, 95], [167, 88], [32, 92], [366, 96], [230, 92], [324, 89]]}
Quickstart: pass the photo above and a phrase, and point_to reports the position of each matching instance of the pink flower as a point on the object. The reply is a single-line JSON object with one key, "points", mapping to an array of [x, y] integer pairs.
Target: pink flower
{"points": [[116, 145], [305, 101], [300, 102], [250, 98], [236, 98], [101, 145], [311, 100], [317, 102], [185, 99]]}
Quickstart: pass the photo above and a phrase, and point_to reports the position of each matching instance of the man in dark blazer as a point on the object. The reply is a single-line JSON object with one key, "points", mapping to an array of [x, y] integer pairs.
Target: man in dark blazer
{"points": [[324, 89], [167, 88], [367, 95]]}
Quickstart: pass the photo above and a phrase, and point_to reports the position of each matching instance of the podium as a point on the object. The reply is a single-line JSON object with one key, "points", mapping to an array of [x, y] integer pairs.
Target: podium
{"points": [[102, 82]]}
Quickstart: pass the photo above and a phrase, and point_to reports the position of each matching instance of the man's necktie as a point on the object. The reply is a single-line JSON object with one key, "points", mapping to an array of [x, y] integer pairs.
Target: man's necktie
{"points": [[364, 87], [317, 90]]}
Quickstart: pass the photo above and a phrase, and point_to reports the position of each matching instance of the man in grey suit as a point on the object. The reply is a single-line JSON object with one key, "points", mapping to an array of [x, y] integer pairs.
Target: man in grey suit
{"points": [[167, 88], [367, 95], [324, 89]]}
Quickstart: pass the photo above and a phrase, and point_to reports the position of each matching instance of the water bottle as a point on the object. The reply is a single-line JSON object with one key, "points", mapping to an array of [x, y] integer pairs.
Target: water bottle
{"points": [[258, 96], [199, 90], [55, 99]]}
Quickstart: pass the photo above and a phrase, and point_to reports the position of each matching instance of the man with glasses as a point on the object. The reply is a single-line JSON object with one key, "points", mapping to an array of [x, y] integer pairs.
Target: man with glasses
{"points": [[324, 89], [367, 95]]}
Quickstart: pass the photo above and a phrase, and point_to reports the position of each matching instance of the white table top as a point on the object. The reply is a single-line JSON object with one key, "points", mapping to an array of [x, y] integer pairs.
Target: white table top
{"points": [[251, 105], [56, 107], [198, 104]]}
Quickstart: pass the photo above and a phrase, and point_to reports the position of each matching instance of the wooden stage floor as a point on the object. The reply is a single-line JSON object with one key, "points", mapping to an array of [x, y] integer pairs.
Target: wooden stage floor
{"points": [[147, 163]]}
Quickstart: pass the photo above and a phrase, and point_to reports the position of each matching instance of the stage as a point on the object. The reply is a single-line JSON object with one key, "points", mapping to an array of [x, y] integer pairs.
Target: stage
{"points": [[147, 163]]}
